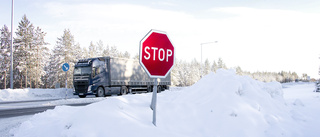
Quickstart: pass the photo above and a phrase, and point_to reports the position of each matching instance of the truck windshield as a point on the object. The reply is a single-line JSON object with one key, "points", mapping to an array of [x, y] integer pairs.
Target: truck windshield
{"points": [[82, 70]]}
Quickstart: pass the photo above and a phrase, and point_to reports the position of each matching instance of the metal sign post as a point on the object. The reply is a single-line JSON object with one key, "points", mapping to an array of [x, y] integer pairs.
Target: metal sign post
{"points": [[65, 68], [154, 101], [66, 83], [66, 79]]}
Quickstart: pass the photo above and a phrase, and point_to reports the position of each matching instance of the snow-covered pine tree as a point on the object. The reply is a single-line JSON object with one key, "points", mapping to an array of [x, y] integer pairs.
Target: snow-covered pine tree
{"points": [[126, 55], [106, 51], [214, 66], [184, 73], [85, 53], [113, 52], [78, 53], [45, 76], [294, 76], [195, 72], [4, 55], [51, 69], [239, 70], [31, 52], [174, 74], [24, 46], [100, 47], [92, 50], [136, 56], [221, 64], [64, 53], [40, 57], [207, 68]]}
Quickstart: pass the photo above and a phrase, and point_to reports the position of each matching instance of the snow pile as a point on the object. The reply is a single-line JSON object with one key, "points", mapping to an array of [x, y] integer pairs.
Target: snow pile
{"points": [[221, 104], [33, 94], [225, 104]]}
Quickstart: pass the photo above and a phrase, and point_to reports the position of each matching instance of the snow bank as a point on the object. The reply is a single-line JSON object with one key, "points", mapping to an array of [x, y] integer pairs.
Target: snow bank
{"points": [[33, 94], [225, 104], [221, 104]]}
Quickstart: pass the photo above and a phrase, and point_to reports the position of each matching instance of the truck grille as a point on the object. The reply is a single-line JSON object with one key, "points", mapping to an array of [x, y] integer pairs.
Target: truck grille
{"points": [[81, 84]]}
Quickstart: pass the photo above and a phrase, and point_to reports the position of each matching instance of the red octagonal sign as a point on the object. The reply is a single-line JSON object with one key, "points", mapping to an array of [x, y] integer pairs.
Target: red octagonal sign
{"points": [[156, 54]]}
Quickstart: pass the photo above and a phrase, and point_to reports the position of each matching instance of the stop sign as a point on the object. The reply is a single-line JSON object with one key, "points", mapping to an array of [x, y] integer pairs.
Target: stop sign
{"points": [[156, 54]]}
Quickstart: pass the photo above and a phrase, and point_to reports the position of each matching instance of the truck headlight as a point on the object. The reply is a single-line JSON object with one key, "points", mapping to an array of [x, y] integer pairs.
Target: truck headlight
{"points": [[89, 89]]}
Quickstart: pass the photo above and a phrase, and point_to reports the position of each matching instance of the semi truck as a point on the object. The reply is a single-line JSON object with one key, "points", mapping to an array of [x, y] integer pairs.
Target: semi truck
{"points": [[104, 76]]}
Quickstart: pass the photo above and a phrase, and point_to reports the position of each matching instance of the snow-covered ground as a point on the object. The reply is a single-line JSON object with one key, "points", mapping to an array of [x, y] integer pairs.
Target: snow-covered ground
{"points": [[220, 104], [304, 106]]}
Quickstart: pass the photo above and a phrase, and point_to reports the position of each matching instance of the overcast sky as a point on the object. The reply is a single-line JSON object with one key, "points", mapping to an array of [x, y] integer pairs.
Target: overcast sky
{"points": [[257, 35]]}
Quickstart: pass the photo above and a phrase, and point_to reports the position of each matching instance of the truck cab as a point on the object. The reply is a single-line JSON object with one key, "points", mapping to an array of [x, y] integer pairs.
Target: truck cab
{"points": [[89, 77]]}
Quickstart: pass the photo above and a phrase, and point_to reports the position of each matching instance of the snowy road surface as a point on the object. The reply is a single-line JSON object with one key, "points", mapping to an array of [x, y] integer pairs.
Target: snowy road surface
{"points": [[20, 108], [21, 102], [6, 113], [4, 105], [220, 104]]}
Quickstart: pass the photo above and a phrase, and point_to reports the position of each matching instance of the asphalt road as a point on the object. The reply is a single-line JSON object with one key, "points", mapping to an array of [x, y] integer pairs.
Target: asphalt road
{"points": [[21, 108], [6, 113]]}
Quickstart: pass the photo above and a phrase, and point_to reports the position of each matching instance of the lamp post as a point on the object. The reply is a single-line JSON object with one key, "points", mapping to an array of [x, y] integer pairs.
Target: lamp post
{"points": [[201, 55], [11, 52]]}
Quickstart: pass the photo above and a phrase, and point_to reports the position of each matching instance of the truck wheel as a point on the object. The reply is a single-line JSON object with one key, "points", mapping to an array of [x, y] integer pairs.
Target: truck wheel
{"points": [[159, 89], [123, 90], [100, 92], [149, 89], [129, 90], [166, 87], [82, 96]]}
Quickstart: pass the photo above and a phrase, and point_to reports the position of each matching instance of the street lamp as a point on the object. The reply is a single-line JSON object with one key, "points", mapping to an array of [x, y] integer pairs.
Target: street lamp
{"points": [[201, 55], [11, 52]]}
